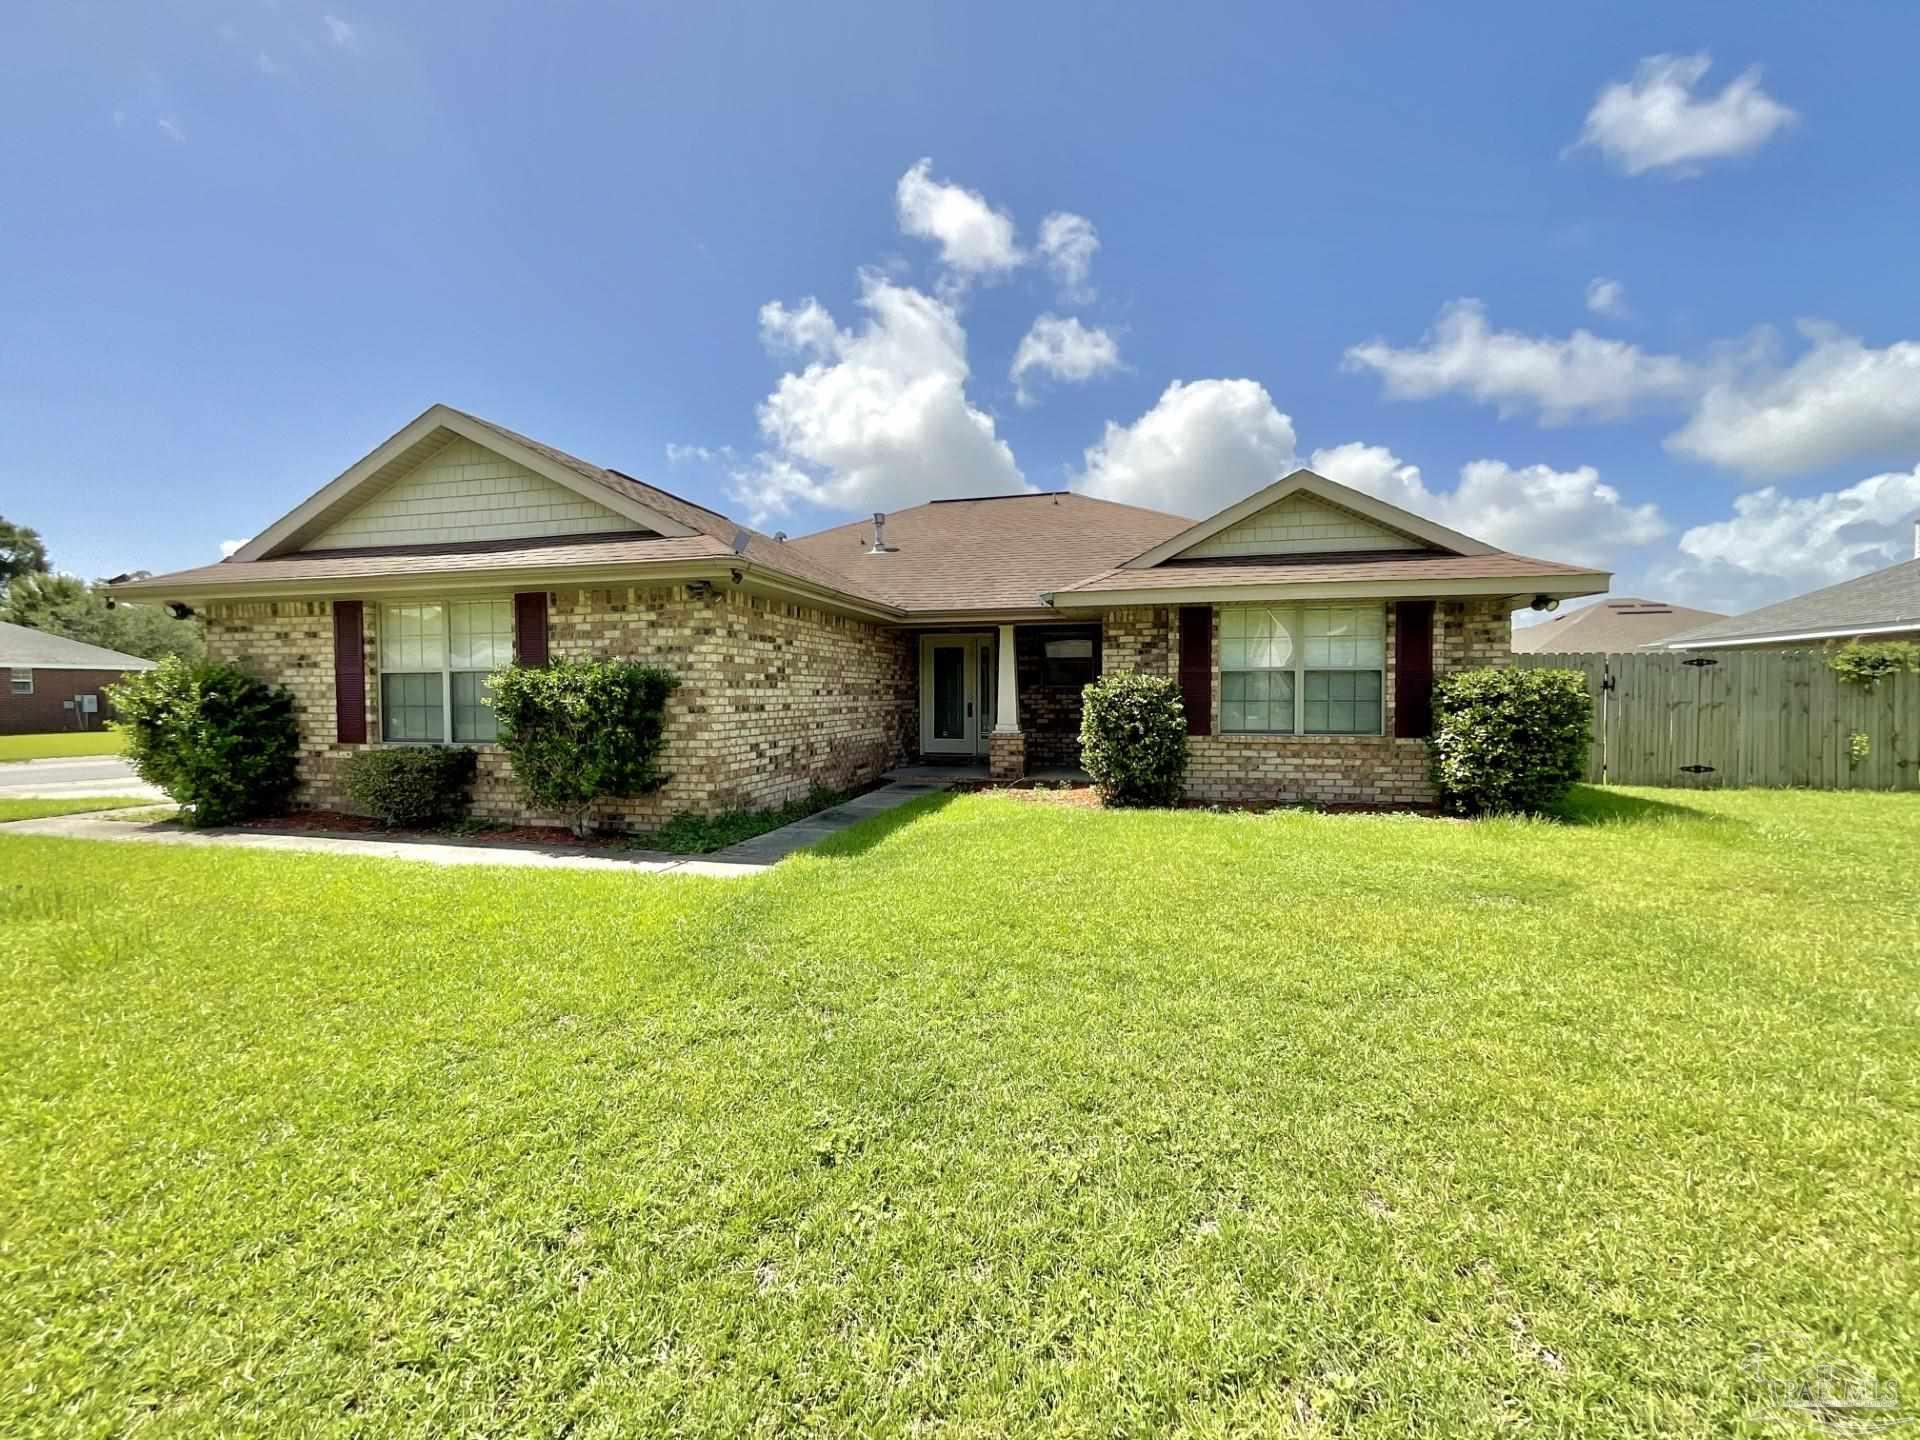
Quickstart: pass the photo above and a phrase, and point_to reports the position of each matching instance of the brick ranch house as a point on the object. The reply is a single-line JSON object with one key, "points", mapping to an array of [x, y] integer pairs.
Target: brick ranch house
{"points": [[53, 683], [1305, 625]]}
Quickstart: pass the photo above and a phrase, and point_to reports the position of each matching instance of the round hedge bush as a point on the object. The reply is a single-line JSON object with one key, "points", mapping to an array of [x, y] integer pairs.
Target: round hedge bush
{"points": [[1133, 739], [1507, 740], [410, 786], [218, 740], [579, 731]]}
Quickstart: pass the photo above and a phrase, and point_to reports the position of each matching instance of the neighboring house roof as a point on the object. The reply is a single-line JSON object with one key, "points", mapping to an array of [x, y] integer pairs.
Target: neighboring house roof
{"points": [[22, 647], [451, 499], [1612, 626], [1881, 603], [998, 553]]}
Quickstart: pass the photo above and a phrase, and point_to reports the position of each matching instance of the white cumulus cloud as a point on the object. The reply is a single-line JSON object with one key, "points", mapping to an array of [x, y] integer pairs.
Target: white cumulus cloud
{"points": [[1606, 297], [1064, 349], [878, 416], [1656, 121], [1840, 399], [1068, 242], [1775, 545], [1568, 515], [1581, 376], [227, 547], [1203, 445], [975, 239]]}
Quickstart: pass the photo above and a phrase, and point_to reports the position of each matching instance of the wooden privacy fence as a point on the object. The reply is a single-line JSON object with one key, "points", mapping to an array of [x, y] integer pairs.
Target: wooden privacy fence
{"points": [[1736, 718]]}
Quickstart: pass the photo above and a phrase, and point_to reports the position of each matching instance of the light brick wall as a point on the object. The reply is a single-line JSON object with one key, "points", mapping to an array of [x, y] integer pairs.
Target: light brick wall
{"points": [[1320, 769], [773, 698]]}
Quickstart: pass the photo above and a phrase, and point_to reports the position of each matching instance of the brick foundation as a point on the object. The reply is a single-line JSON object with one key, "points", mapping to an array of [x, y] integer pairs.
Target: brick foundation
{"points": [[1006, 756]]}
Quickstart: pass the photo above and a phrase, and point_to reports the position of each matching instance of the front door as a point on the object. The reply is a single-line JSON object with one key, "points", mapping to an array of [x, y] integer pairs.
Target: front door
{"points": [[949, 695]]}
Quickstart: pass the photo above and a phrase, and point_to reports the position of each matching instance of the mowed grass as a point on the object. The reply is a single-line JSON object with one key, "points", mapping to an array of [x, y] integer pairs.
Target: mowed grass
{"points": [[34, 808], [990, 1116], [60, 746]]}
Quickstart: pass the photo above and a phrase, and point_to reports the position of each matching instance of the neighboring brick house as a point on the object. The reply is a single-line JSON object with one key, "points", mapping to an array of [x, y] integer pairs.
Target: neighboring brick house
{"points": [[49, 683], [1305, 625]]}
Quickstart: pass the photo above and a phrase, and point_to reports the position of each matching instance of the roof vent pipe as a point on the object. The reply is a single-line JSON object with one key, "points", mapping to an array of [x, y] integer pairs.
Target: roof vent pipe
{"points": [[880, 546]]}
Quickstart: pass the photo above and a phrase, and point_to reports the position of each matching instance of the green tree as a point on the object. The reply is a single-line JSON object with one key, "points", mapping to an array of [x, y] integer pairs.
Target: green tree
{"points": [[66, 605], [21, 553]]}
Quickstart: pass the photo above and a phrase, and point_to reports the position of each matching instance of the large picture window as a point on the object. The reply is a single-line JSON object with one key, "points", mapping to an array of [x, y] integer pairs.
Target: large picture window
{"points": [[434, 663], [1303, 669]]}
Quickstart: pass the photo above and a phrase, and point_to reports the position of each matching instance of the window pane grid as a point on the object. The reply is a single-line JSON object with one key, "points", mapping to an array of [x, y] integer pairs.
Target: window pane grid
{"points": [[1332, 681], [435, 660]]}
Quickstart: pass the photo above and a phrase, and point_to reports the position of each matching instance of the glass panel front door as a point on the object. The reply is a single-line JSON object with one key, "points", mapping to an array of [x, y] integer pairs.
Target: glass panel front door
{"points": [[950, 692], [950, 713]]}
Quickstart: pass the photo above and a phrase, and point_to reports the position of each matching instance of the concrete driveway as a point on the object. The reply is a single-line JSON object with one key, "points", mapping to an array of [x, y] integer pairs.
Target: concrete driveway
{"points": [[79, 776]]}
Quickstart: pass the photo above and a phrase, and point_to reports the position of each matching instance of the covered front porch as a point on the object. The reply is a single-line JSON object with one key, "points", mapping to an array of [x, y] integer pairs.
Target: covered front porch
{"points": [[1003, 701]]}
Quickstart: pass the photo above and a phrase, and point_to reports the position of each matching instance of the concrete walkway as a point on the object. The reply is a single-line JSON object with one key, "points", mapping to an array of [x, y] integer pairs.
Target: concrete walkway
{"points": [[750, 857], [778, 844]]}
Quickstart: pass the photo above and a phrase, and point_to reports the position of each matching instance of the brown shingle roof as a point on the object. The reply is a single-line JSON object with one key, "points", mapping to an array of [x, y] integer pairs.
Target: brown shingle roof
{"points": [[1382, 565], [1612, 625], [992, 554], [950, 556], [389, 561]]}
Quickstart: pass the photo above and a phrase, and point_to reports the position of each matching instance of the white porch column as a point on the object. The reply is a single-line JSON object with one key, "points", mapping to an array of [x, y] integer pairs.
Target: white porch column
{"points": [[1006, 720]]}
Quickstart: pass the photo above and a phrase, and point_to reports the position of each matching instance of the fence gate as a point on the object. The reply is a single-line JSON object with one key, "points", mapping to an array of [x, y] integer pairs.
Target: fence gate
{"points": [[1738, 718]]}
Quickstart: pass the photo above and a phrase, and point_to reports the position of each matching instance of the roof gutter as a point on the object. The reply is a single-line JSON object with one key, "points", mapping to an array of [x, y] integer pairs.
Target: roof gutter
{"points": [[548, 578], [1521, 587], [1784, 636]]}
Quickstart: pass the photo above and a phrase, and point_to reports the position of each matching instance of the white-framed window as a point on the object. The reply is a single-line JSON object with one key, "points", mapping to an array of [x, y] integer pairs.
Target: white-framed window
{"points": [[21, 681], [1303, 669], [434, 661]]}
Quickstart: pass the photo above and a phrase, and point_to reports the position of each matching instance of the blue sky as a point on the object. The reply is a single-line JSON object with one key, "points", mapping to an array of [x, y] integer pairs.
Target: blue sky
{"points": [[1548, 275]]}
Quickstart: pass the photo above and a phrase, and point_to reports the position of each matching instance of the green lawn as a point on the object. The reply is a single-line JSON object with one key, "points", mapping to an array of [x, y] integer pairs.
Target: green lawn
{"points": [[34, 809], [990, 1116], [72, 742]]}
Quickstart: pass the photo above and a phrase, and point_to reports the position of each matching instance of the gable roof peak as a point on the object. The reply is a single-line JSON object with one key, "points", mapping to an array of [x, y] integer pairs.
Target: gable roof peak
{"points": [[1303, 481], [432, 427]]}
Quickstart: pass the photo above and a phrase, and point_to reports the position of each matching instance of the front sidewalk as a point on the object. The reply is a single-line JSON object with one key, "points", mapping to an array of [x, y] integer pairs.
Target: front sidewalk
{"points": [[749, 857]]}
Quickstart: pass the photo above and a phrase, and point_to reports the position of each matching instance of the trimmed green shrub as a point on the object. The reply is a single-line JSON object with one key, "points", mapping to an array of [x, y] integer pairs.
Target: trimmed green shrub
{"points": [[1863, 662], [219, 741], [1133, 739], [412, 785], [578, 731], [1506, 739]]}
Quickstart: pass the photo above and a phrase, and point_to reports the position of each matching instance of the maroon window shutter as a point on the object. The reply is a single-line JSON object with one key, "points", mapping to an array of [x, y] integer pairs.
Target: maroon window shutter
{"points": [[530, 627], [349, 672], [1196, 667], [1413, 669]]}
